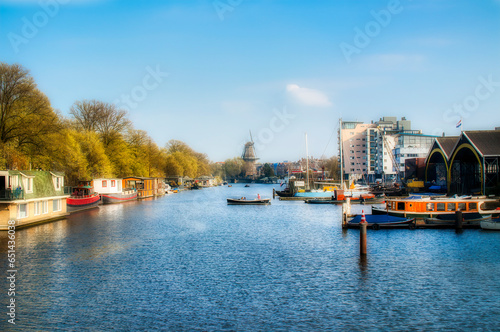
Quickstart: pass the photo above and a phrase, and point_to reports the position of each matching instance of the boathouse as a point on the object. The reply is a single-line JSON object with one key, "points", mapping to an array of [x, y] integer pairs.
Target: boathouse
{"points": [[471, 163], [30, 197], [436, 163]]}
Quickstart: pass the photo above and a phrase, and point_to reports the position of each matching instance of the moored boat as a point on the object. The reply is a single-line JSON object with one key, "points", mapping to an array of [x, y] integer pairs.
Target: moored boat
{"points": [[338, 197], [492, 224], [124, 196], [449, 219], [82, 197], [381, 221], [437, 207], [114, 190]]}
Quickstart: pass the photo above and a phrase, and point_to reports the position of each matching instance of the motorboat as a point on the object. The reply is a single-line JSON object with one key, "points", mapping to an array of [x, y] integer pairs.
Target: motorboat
{"points": [[246, 201]]}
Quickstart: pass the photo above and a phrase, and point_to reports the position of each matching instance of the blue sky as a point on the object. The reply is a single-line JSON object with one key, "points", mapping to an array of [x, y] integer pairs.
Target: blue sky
{"points": [[207, 72]]}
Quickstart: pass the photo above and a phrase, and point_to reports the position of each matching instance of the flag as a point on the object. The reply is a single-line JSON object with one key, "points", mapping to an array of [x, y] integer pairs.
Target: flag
{"points": [[459, 123]]}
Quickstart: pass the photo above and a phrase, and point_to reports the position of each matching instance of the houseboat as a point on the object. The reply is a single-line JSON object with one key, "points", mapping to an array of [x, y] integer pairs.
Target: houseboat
{"points": [[82, 197], [147, 187], [115, 190], [431, 208], [31, 197]]}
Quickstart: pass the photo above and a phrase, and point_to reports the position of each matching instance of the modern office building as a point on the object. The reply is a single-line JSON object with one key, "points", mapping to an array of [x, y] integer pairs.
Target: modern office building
{"points": [[378, 150]]}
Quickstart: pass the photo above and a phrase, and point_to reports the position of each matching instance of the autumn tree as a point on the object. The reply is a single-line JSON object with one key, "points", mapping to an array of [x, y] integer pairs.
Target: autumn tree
{"points": [[234, 167], [26, 116], [182, 160]]}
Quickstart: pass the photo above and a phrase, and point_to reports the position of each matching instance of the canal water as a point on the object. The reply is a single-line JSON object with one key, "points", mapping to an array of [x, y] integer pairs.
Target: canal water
{"points": [[190, 262]]}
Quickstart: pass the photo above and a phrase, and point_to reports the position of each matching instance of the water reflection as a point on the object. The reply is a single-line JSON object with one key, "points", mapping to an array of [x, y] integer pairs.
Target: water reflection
{"points": [[190, 262]]}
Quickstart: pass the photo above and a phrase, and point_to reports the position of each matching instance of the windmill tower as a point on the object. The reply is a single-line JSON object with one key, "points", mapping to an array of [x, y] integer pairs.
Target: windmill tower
{"points": [[249, 157]]}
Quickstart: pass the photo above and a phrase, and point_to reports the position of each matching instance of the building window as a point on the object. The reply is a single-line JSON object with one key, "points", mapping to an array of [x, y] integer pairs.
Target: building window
{"points": [[29, 185], [104, 183], [45, 207], [37, 206], [113, 183], [22, 211], [58, 182], [56, 205]]}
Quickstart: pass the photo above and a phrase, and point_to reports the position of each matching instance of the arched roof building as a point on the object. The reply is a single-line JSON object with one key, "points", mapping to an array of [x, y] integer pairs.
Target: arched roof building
{"points": [[471, 162]]}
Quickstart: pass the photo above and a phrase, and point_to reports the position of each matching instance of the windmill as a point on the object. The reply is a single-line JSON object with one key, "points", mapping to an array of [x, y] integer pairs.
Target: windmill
{"points": [[249, 157]]}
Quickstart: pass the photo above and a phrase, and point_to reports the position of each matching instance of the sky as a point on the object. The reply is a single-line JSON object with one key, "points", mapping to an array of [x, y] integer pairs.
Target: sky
{"points": [[209, 72]]}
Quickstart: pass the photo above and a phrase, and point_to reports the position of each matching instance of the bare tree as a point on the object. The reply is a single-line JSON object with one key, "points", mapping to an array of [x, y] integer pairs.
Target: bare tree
{"points": [[86, 113], [103, 118]]}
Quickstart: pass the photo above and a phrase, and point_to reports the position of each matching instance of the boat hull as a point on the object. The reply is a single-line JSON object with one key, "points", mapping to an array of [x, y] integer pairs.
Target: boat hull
{"points": [[284, 193], [449, 219], [75, 204], [353, 201], [491, 225], [381, 221], [118, 197], [264, 201]]}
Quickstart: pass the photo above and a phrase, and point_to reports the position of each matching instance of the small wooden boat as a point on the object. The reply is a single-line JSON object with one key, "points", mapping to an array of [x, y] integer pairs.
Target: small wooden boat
{"points": [[492, 225], [377, 221], [244, 201]]}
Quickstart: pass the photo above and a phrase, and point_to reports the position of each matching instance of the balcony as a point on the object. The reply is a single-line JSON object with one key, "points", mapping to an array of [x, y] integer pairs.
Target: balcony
{"points": [[10, 195]]}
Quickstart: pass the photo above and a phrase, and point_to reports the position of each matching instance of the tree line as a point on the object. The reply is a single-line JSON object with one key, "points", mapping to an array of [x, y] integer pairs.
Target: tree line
{"points": [[96, 140]]}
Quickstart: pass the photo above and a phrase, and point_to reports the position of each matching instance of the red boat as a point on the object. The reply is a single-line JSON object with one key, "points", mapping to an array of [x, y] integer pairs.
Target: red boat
{"points": [[82, 197]]}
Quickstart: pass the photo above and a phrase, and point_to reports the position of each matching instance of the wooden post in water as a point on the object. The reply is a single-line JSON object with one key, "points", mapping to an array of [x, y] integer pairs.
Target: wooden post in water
{"points": [[274, 193], [362, 235], [458, 220]]}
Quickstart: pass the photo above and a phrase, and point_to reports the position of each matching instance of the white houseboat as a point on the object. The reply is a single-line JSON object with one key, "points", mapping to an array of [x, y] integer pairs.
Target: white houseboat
{"points": [[114, 190]]}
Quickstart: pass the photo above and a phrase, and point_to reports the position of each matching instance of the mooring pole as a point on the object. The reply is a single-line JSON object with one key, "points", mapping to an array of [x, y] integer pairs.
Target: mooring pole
{"points": [[362, 234]]}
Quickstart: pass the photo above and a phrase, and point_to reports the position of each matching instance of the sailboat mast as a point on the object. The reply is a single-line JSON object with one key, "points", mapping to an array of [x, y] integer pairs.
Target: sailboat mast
{"points": [[341, 156], [307, 165]]}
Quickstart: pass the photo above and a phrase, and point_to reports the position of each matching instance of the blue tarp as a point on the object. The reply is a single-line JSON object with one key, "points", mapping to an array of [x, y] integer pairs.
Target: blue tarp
{"points": [[377, 219]]}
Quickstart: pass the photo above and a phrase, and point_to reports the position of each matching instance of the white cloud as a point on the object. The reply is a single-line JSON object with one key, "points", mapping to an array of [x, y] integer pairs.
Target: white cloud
{"points": [[308, 97]]}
